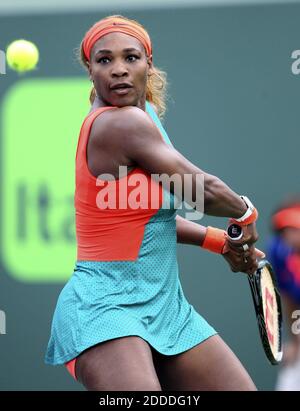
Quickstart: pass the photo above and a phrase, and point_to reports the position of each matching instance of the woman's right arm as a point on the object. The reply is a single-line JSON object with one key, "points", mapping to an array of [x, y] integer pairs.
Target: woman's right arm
{"points": [[131, 132]]}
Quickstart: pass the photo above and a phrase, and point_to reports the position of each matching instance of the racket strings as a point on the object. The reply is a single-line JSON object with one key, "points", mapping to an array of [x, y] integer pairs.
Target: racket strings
{"points": [[270, 311]]}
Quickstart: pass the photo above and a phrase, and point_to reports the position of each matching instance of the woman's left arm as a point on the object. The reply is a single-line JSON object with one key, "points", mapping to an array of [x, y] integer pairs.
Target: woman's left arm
{"points": [[189, 232]]}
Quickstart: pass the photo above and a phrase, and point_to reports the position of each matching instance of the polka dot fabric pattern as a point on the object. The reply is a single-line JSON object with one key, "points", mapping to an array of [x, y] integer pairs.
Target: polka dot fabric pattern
{"points": [[104, 300]]}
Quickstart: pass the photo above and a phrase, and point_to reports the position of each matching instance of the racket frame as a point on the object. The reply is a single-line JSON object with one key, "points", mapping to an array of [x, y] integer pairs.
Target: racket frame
{"points": [[235, 232], [256, 291]]}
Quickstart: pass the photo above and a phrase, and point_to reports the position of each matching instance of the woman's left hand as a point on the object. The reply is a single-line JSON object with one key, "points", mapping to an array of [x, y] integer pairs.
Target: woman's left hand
{"points": [[242, 261]]}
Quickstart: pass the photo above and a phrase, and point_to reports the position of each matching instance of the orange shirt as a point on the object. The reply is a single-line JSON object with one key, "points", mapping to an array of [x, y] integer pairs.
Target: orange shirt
{"points": [[110, 234]]}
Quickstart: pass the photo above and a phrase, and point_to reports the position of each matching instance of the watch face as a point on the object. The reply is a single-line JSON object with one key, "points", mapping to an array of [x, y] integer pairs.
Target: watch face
{"points": [[235, 231]]}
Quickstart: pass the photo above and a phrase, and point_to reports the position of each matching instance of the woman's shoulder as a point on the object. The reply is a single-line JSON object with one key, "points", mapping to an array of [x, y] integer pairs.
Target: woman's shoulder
{"points": [[120, 119]]}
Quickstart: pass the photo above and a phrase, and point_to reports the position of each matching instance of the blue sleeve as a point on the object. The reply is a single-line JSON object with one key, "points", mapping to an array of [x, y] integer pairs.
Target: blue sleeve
{"points": [[150, 110], [280, 256]]}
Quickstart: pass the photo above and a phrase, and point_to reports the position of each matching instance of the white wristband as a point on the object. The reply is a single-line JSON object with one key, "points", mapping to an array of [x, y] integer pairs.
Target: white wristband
{"points": [[249, 211]]}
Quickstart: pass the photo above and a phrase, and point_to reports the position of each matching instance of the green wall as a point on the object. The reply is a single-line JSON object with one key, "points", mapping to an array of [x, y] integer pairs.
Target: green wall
{"points": [[233, 111]]}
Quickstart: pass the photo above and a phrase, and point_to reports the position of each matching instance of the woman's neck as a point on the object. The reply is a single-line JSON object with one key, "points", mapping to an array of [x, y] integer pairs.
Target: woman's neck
{"points": [[99, 103]]}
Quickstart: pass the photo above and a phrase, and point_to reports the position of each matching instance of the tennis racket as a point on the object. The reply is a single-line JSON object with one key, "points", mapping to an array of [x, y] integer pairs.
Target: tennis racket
{"points": [[267, 303]]}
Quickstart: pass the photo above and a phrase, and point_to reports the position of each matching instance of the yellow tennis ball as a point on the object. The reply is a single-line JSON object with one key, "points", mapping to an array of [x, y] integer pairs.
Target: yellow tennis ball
{"points": [[22, 55]]}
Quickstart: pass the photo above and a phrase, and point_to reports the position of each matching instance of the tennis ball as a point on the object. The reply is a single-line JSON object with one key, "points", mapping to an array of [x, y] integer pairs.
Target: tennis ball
{"points": [[22, 55]]}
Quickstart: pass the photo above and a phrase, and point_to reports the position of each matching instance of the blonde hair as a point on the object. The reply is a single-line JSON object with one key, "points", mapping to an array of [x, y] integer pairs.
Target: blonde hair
{"points": [[156, 86]]}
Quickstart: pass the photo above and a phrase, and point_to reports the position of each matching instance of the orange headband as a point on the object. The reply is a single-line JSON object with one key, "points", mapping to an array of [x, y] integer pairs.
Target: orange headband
{"points": [[289, 217], [115, 24]]}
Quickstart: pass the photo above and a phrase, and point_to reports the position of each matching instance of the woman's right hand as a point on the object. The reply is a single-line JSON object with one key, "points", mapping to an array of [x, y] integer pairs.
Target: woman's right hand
{"points": [[250, 236], [242, 261]]}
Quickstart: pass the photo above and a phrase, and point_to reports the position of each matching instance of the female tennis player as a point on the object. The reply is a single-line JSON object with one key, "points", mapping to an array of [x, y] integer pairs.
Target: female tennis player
{"points": [[122, 321]]}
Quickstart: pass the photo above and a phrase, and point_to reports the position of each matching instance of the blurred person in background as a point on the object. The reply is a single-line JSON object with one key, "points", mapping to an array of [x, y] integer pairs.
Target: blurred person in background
{"points": [[283, 252]]}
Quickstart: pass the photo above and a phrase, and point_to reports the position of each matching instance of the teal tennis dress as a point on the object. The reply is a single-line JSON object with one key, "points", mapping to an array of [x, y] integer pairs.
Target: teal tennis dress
{"points": [[136, 296]]}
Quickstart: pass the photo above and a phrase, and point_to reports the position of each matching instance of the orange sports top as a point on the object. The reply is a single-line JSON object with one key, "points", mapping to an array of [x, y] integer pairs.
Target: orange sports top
{"points": [[113, 232]]}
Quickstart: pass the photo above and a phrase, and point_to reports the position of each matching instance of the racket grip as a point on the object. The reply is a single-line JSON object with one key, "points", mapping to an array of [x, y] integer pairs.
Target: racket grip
{"points": [[235, 232]]}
